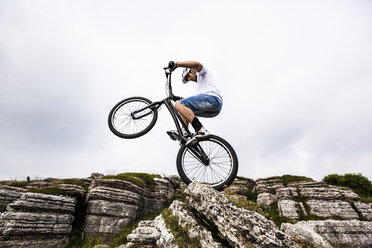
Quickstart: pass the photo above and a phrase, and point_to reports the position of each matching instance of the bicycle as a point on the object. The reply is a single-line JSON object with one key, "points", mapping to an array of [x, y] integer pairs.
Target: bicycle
{"points": [[208, 159]]}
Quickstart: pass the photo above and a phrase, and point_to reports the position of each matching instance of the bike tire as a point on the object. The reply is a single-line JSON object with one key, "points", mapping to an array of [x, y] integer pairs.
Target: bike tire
{"points": [[223, 160], [122, 124]]}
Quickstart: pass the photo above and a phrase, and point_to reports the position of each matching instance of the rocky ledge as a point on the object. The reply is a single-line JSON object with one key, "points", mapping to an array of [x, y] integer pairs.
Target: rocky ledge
{"points": [[271, 212], [36, 220], [209, 219], [113, 204]]}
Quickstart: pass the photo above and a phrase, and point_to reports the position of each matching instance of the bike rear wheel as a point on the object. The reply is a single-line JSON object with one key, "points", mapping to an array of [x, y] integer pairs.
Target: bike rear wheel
{"points": [[125, 124], [221, 169]]}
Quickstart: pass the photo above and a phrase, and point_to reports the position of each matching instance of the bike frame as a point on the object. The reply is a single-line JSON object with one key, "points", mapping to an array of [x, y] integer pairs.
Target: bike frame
{"points": [[172, 110], [195, 149]]}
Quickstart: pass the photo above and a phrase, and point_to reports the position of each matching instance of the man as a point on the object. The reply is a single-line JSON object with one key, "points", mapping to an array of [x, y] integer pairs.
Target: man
{"points": [[206, 103]]}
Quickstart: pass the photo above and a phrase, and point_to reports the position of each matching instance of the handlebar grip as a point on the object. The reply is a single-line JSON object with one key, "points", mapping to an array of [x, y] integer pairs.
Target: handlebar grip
{"points": [[171, 65]]}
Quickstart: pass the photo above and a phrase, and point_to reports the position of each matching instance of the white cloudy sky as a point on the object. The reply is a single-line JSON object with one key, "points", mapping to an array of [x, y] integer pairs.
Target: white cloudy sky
{"points": [[296, 78]]}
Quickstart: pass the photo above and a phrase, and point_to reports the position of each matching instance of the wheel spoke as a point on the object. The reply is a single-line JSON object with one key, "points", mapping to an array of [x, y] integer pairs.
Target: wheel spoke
{"points": [[220, 164], [123, 122]]}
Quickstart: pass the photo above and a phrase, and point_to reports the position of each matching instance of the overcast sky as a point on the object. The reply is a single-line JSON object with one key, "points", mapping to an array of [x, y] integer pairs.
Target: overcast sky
{"points": [[296, 79]]}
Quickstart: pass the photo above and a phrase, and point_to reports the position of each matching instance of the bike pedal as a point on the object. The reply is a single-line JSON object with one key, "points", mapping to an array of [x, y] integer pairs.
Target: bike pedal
{"points": [[172, 136]]}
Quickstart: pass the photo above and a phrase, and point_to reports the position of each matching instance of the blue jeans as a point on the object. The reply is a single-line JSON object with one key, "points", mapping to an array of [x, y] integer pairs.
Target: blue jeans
{"points": [[203, 105]]}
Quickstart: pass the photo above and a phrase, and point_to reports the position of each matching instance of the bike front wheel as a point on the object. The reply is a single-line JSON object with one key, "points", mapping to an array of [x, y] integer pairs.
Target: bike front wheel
{"points": [[221, 169], [127, 122]]}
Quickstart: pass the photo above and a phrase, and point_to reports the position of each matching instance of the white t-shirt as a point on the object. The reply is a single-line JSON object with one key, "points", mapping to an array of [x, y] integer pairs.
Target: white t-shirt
{"points": [[206, 84]]}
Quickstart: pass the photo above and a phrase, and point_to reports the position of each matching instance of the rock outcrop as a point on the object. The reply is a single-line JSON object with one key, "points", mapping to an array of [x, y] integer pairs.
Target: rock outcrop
{"points": [[328, 233], [242, 228], [308, 198], [37, 220], [113, 204], [271, 212], [10, 194]]}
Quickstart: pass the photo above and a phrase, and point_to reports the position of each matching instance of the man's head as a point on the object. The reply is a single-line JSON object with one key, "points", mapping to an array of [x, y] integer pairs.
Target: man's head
{"points": [[188, 74]]}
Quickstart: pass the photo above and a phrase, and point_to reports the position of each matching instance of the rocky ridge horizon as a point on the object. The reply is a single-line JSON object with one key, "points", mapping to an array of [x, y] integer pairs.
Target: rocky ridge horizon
{"points": [[142, 210]]}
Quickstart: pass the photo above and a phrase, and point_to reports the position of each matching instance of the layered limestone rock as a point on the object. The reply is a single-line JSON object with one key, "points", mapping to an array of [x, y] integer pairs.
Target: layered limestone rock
{"points": [[113, 204], [364, 209], [241, 227], [36, 202], [329, 209], [266, 199], [322, 200], [9, 194], [72, 190], [152, 234], [37, 220], [266, 191], [291, 209], [206, 216], [332, 233], [188, 221]]}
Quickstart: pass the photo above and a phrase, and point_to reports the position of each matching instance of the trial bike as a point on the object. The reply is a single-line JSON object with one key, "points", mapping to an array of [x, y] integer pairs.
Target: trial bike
{"points": [[209, 159]]}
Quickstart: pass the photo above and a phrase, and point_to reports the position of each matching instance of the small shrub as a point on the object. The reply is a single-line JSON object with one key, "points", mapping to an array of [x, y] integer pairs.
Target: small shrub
{"points": [[357, 182], [272, 191], [251, 194]]}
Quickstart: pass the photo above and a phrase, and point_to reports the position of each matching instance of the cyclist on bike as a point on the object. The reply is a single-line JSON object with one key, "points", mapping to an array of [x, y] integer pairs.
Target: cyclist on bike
{"points": [[206, 103]]}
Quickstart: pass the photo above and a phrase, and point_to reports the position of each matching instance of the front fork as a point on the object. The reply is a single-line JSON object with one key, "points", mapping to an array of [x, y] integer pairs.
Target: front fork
{"points": [[198, 152]]}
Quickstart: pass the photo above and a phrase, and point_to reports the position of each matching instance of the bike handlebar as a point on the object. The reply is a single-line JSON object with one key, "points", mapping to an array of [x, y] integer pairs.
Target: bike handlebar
{"points": [[168, 74]]}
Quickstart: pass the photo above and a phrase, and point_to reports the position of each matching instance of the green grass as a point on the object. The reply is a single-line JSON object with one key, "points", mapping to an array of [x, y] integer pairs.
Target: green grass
{"points": [[179, 195], [286, 179], [48, 191], [18, 184], [88, 242], [140, 179], [242, 202], [181, 237], [55, 182], [273, 214], [75, 181], [365, 199]]}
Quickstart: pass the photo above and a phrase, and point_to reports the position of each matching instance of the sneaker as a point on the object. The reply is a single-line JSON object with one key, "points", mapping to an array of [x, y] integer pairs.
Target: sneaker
{"points": [[199, 134]]}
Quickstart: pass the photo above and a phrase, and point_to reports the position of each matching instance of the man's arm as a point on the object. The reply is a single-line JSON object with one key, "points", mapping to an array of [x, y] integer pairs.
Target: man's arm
{"points": [[190, 64]]}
